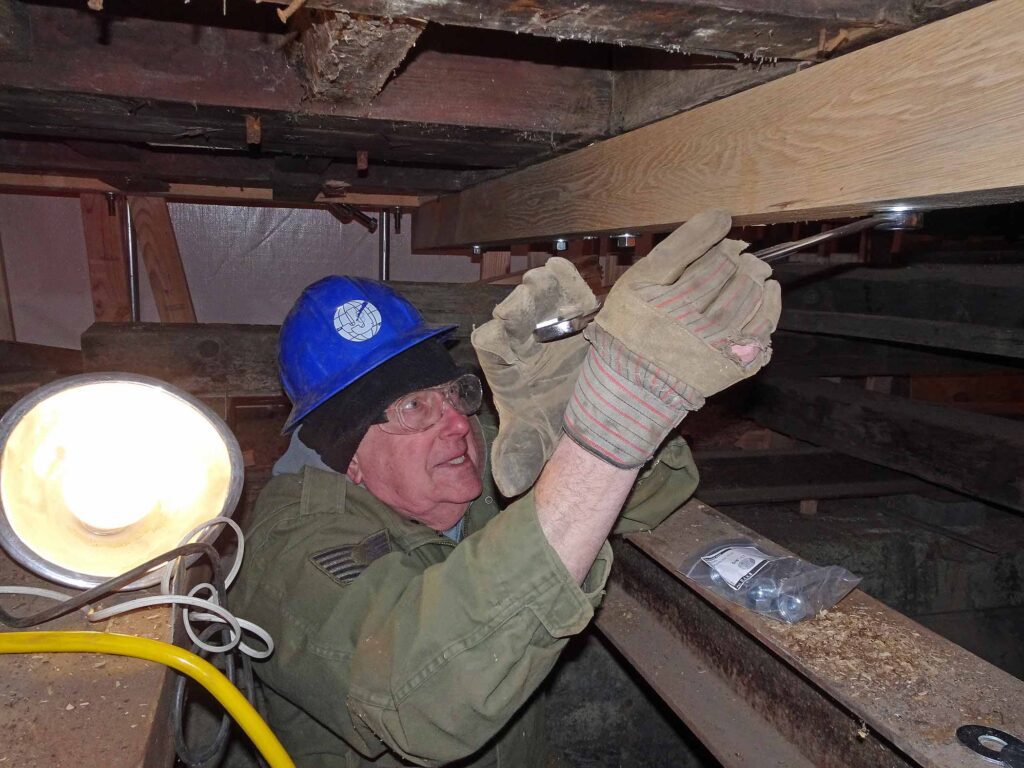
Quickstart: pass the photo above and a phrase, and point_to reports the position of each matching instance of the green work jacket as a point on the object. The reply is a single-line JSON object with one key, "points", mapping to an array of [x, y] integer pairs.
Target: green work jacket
{"points": [[394, 645]]}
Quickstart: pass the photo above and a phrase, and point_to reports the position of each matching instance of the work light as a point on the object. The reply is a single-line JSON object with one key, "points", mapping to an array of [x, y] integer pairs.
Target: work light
{"points": [[101, 472]]}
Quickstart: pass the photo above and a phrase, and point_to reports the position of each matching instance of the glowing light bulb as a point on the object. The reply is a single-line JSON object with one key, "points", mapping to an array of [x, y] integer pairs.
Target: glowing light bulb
{"points": [[99, 474]]}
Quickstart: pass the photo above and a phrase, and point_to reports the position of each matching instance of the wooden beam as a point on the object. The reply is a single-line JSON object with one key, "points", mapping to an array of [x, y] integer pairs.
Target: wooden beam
{"points": [[983, 294], [348, 58], [883, 125], [753, 27], [19, 356], [72, 115], [145, 169], [509, 91], [964, 337], [209, 360], [867, 703], [651, 85], [803, 355], [241, 360], [159, 249], [981, 456], [103, 220], [794, 474], [29, 182]]}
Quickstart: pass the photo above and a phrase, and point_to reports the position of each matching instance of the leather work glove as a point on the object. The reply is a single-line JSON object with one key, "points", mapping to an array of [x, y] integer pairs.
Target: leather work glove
{"points": [[531, 382], [693, 317]]}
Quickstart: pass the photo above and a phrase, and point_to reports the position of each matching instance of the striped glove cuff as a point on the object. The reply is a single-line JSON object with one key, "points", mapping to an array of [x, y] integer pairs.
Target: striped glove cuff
{"points": [[623, 406]]}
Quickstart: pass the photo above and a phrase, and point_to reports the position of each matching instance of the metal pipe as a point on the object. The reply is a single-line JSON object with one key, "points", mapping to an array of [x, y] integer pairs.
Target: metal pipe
{"points": [[133, 263], [384, 251]]}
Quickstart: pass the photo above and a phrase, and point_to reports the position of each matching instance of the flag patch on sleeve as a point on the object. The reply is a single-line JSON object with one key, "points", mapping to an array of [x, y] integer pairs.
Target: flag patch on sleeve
{"points": [[345, 563]]}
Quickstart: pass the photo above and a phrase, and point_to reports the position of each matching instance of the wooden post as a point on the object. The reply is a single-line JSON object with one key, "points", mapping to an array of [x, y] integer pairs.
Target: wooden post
{"points": [[103, 219], [495, 264], [156, 240]]}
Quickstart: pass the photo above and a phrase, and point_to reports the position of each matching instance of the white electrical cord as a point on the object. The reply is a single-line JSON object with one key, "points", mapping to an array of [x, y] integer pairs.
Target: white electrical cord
{"points": [[35, 592], [217, 613], [214, 611]]}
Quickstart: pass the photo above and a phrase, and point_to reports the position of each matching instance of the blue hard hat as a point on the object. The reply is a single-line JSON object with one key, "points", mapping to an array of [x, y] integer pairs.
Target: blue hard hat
{"points": [[340, 329]]}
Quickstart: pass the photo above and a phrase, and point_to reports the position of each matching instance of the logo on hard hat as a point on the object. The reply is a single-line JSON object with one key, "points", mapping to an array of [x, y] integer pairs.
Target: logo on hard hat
{"points": [[357, 320]]}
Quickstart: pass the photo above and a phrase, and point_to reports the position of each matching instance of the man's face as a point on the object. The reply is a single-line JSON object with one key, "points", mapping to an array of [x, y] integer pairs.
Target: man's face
{"points": [[430, 476]]}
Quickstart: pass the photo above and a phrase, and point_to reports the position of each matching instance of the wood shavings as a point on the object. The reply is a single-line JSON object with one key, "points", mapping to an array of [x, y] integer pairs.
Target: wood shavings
{"points": [[870, 656]]}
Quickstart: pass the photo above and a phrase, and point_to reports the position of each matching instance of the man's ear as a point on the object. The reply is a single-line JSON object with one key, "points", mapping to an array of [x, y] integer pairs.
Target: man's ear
{"points": [[354, 473]]}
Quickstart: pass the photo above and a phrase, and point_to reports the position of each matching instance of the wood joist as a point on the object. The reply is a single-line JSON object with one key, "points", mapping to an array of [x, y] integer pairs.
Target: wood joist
{"points": [[973, 308], [807, 355], [204, 86], [487, 101], [937, 321], [452, 80], [931, 117], [326, 139], [749, 29], [975, 454], [139, 168], [793, 474]]}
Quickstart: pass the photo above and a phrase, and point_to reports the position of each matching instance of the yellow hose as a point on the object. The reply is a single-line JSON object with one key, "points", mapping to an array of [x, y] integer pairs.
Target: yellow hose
{"points": [[176, 658]]}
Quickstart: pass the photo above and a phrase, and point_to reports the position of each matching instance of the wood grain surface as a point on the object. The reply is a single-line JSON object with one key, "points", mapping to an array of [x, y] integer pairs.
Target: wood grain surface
{"points": [[931, 116], [106, 250], [159, 248]]}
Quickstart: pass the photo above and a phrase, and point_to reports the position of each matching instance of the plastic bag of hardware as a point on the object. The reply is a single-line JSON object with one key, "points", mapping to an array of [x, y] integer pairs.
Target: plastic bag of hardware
{"points": [[779, 586]]}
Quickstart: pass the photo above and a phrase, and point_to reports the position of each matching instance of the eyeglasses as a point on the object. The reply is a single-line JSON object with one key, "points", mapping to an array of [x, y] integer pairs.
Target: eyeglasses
{"points": [[422, 409]]}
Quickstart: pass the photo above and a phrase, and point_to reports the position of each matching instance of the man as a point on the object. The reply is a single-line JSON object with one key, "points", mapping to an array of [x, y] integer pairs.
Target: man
{"points": [[414, 620]]}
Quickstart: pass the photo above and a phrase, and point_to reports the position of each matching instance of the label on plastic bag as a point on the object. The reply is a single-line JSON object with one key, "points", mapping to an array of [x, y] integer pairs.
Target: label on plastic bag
{"points": [[736, 565]]}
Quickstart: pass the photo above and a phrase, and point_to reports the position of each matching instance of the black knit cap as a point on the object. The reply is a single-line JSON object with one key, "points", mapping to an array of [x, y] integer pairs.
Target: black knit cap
{"points": [[335, 429]]}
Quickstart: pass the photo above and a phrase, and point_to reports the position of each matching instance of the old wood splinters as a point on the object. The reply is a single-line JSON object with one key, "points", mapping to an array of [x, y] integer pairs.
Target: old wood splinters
{"points": [[293, 6]]}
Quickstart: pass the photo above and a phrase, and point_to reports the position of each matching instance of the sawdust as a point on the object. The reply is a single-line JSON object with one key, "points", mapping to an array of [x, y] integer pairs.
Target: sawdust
{"points": [[870, 655]]}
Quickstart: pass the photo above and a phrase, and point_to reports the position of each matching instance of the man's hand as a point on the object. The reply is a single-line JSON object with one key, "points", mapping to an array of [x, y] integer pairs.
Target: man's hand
{"points": [[531, 382], [693, 317]]}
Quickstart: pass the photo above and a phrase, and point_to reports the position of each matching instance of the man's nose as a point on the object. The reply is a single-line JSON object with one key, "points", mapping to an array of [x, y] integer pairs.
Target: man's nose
{"points": [[454, 423]]}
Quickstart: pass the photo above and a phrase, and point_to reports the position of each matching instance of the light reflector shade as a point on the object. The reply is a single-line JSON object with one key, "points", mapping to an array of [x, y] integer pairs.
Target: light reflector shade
{"points": [[101, 472]]}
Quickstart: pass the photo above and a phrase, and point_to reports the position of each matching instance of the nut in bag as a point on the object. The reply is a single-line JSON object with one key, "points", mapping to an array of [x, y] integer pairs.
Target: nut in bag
{"points": [[779, 586]]}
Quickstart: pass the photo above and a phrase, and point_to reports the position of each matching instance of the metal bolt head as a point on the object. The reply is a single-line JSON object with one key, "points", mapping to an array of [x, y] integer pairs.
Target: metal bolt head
{"points": [[901, 221], [791, 608], [561, 244], [715, 577], [762, 594]]}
